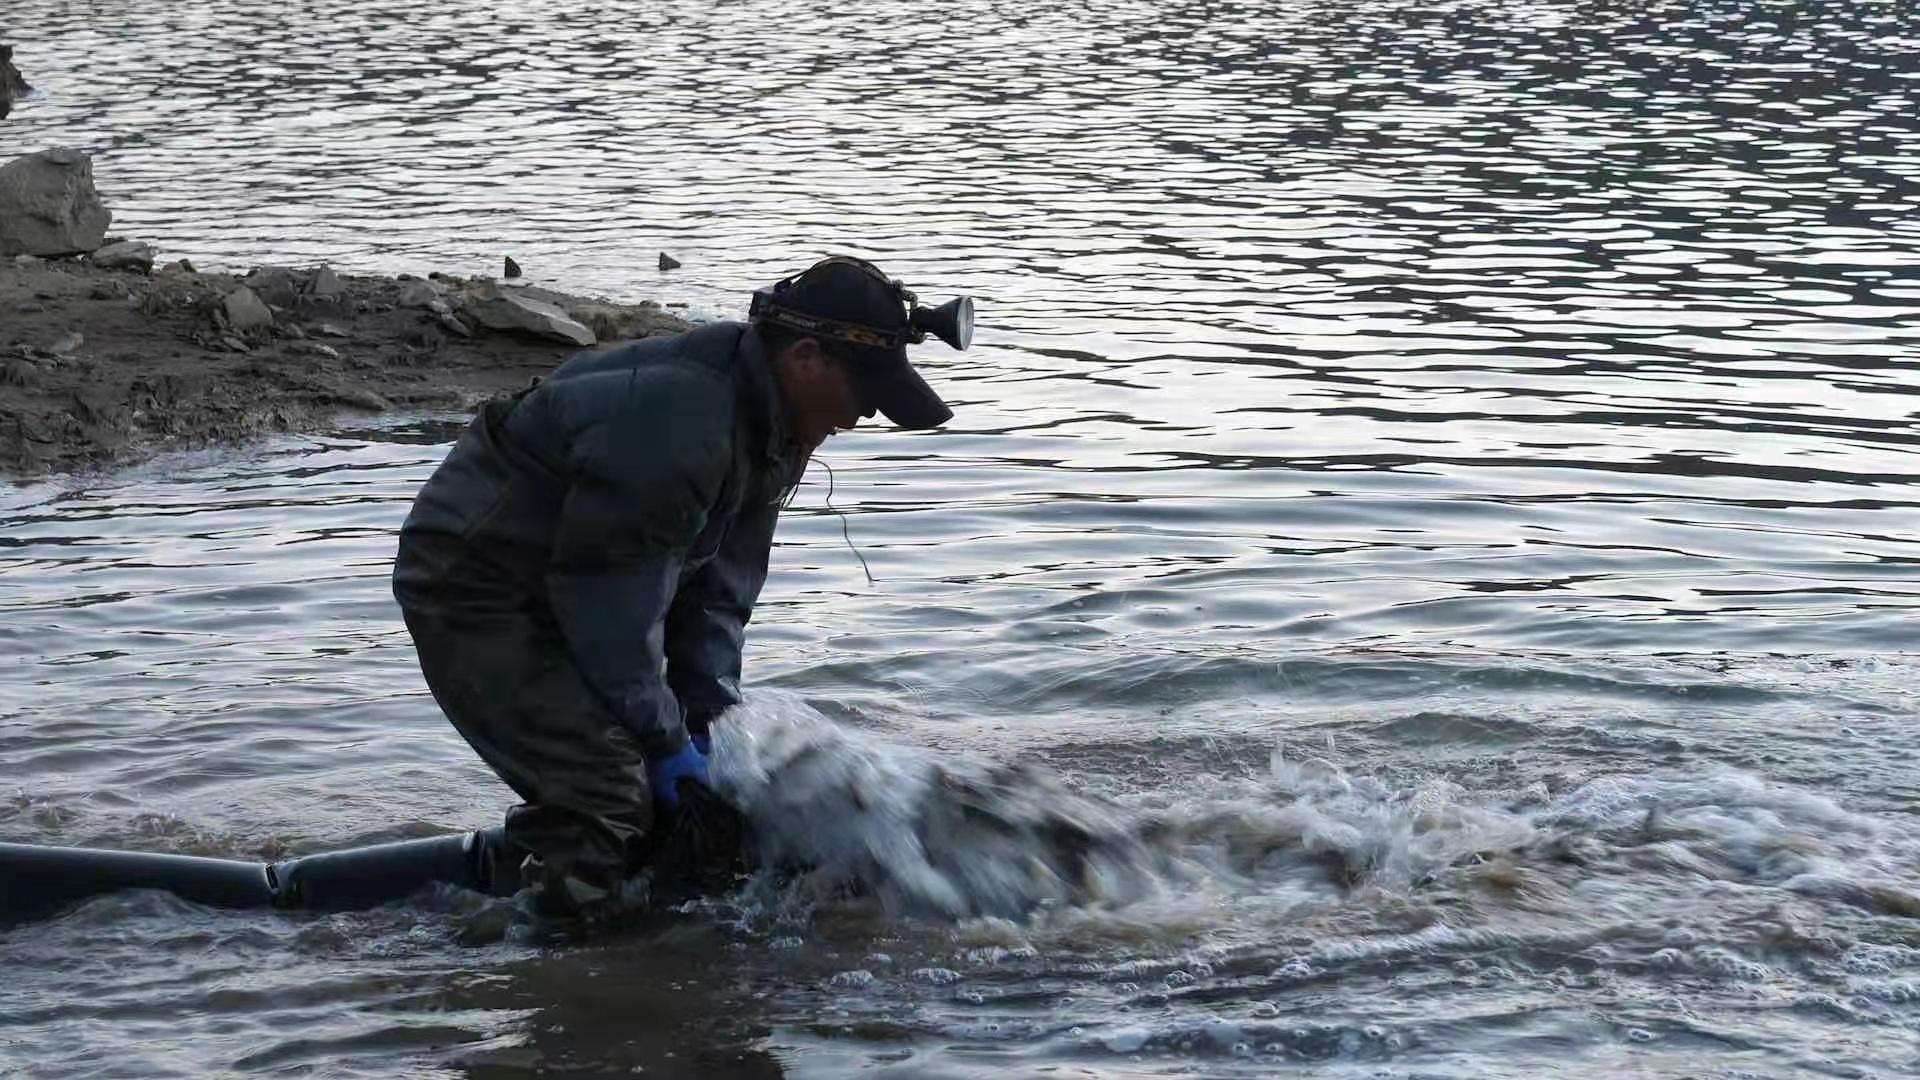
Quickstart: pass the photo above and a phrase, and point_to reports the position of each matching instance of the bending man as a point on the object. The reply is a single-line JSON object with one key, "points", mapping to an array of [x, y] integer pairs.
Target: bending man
{"points": [[578, 573]]}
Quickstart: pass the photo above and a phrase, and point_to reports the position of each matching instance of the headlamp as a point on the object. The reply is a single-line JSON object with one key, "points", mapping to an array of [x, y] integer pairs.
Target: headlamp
{"points": [[951, 322]]}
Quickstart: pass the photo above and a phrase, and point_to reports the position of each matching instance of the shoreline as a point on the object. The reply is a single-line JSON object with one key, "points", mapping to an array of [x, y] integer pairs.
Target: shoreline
{"points": [[109, 365]]}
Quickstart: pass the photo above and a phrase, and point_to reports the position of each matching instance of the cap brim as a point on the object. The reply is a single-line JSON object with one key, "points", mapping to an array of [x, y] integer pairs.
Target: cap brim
{"points": [[901, 395]]}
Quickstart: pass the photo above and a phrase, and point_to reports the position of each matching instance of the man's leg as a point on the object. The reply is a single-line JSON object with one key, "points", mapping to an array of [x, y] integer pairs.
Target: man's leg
{"points": [[510, 688]]}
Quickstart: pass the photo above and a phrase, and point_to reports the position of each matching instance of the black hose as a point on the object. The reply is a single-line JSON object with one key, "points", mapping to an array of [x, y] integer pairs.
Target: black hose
{"points": [[367, 877], [36, 881]]}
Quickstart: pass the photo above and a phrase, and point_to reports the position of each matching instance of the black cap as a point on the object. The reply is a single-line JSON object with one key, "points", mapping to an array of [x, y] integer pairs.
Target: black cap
{"points": [[869, 317]]}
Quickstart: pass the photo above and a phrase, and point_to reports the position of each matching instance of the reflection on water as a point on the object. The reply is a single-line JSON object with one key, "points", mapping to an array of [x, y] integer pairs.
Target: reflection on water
{"points": [[1506, 409]]}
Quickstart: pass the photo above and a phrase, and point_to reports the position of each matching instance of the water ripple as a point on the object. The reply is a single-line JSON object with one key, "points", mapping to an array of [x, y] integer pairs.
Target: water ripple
{"points": [[1510, 405]]}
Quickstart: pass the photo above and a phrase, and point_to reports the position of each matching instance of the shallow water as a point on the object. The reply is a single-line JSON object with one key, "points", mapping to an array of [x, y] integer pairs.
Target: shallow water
{"points": [[1436, 484]]}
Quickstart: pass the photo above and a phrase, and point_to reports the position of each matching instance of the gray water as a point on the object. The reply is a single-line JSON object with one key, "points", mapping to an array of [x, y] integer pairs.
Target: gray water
{"points": [[1445, 473]]}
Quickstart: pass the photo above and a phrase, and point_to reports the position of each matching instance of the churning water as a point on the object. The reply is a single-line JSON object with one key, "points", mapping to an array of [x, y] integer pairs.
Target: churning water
{"points": [[1423, 580]]}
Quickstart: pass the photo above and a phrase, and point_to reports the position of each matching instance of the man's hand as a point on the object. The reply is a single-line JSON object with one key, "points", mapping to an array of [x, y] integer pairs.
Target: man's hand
{"points": [[666, 774]]}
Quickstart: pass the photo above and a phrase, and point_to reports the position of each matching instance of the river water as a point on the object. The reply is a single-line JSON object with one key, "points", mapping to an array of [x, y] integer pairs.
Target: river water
{"points": [[1439, 478]]}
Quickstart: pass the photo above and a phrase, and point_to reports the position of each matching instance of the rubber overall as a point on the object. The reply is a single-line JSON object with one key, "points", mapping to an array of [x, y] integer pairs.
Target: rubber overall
{"points": [[577, 577]]}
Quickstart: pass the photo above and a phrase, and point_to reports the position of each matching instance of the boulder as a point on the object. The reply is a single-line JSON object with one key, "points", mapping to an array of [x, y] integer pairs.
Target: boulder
{"points": [[245, 310], [325, 284], [126, 255], [48, 205], [507, 311], [277, 285]]}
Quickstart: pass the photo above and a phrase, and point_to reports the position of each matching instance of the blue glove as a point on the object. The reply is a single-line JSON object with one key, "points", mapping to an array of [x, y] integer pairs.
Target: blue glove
{"points": [[665, 775]]}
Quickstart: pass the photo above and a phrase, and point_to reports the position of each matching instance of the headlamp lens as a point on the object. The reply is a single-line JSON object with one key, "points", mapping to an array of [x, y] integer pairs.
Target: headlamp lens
{"points": [[951, 322]]}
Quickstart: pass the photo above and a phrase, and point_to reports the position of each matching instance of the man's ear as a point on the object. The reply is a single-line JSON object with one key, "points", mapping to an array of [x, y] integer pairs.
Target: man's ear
{"points": [[807, 353]]}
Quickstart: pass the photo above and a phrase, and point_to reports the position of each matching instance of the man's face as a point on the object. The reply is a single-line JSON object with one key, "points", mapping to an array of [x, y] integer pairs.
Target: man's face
{"points": [[820, 392]]}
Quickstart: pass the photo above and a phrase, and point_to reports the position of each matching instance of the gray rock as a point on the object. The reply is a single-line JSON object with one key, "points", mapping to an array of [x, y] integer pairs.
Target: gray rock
{"points": [[418, 294], [245, 311], [623, 322], [277, 285], [66, 344], [26, 261], [325, 284], [21, 372], [126, 255], [327, 329], [48, 205], [453, 324], [668, 262], [178, 268], [506, 311]]}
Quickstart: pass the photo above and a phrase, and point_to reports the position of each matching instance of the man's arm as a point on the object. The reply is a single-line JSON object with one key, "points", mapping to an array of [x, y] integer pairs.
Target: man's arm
{"points": [[640, 488], [707, 624]]}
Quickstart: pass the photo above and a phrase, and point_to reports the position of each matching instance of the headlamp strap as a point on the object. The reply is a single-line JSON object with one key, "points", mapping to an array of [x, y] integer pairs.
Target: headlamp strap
{"points": [[765, 308]]}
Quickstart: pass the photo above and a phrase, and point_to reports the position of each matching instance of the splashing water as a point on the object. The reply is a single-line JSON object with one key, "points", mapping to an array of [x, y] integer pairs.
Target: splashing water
{"points": [[1311, 913], [943, 835], [921, 834]]}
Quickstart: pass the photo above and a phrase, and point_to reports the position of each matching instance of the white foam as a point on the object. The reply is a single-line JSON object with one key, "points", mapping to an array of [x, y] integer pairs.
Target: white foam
{"points": [[1023, 857]]}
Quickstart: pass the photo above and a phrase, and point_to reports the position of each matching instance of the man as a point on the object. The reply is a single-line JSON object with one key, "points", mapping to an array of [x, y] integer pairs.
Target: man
{"points": [[578, 573]]}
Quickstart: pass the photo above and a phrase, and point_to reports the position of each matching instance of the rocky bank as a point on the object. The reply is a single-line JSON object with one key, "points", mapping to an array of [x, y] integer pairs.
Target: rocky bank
{"points": [[106, 357]]}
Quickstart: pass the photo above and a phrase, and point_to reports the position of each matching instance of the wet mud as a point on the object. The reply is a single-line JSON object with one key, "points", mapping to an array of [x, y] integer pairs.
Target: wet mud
{"points": [[103, 366]]}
